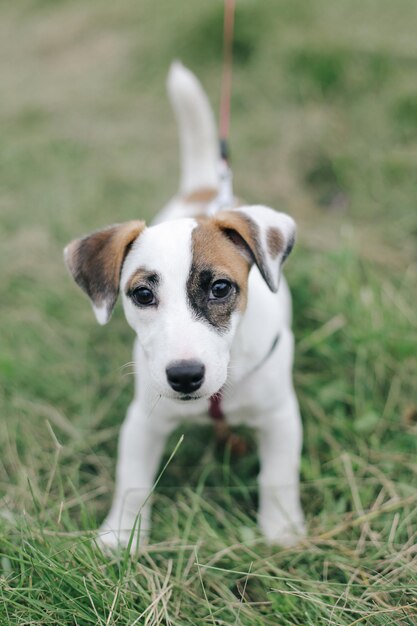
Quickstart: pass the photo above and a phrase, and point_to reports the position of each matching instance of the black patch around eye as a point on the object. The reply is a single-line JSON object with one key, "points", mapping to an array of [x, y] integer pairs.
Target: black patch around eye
{"points": [[206, 276], [215, 312]]}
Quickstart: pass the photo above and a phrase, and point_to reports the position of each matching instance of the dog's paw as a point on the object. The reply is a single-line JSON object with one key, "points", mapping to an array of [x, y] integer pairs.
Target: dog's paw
{"points": [[110, 540], [284, 533]]}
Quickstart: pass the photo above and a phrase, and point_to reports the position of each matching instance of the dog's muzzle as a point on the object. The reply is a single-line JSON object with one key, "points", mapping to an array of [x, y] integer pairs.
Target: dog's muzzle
{"points": [[185, 376]]}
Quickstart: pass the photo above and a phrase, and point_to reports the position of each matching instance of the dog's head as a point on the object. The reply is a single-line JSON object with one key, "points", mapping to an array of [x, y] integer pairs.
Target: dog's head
{"points": [[184, 287]]}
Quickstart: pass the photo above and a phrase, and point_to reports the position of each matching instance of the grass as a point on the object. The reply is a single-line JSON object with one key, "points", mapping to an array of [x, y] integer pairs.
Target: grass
{"points": [[324, 125]]}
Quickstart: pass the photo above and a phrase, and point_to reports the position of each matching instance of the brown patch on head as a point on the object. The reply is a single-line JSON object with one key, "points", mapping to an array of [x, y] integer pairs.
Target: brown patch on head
{"points": [[246, 235], [200, 196], [215, 257], [275, 241], [95, 261], [261, 236]]}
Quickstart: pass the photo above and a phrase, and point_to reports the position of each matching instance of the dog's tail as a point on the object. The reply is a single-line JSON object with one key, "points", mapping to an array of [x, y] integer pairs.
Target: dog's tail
{"points": [[197, 130]]}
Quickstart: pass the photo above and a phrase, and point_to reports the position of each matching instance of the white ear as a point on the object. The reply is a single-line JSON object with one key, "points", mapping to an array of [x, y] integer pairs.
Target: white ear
{"points": [[266, 234]]}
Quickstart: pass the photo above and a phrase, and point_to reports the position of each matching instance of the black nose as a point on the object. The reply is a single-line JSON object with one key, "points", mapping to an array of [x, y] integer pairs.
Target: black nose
{"points": [[185, 376]]}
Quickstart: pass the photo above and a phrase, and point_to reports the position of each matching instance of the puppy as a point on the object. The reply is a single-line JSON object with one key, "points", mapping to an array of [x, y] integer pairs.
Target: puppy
{"points": [[204, 293]]}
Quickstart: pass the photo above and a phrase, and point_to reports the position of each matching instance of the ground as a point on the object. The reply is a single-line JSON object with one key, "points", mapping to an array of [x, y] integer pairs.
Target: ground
{"points": [[324, 126]]}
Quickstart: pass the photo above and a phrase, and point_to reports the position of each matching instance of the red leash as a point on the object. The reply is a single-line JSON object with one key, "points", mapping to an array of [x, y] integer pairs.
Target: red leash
{"points": [[215, 407], [222, 430], [225, 198], [226, 84]]}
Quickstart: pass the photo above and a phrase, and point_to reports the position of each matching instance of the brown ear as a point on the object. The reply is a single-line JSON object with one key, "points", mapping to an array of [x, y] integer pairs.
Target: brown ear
{"points": [[263, 235], [96, 261]]}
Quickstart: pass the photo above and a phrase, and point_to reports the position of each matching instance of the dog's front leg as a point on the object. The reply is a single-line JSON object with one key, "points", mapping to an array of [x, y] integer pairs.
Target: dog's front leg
{"points": [[280, 439], [141, 445]]}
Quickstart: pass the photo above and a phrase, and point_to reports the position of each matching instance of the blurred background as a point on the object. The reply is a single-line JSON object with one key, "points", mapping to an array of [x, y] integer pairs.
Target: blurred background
{"points": [[324, 126]]}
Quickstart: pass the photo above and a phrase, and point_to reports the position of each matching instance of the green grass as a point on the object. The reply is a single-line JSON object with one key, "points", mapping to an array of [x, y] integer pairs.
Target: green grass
{"points": [[325, 126]]}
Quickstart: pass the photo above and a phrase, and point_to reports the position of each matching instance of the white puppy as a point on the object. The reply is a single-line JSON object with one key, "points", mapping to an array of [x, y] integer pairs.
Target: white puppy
{"points": [[212, 316]]}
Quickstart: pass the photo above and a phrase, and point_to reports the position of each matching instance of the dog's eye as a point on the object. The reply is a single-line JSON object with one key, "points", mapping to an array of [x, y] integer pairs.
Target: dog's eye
{"points": [[142, 296], [220, 289]]}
